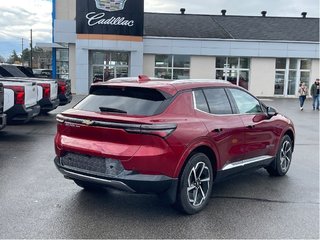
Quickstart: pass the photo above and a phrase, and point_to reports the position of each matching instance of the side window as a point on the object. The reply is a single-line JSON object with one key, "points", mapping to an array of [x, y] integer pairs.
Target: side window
{"points": [[218, 101], [200, 101], [245, 102]]}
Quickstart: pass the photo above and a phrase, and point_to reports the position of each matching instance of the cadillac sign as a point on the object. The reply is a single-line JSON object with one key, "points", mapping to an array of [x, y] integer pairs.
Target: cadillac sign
{"points": [[119, 17]]}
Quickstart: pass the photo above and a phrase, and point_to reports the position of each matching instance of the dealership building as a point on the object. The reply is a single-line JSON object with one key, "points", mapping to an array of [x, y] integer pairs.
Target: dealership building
{"points": [[99, 39]]}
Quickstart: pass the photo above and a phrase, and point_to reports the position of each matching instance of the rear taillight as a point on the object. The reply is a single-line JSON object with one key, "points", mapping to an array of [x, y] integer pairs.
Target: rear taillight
{"points": [[45, 89], [19, 94], [62, 87], [161, 130]]}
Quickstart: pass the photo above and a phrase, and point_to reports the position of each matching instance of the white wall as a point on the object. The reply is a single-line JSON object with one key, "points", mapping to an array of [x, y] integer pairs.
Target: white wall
{"points": [[315, 70], [72, 67], [66, 9], [82, 69], [202, 67], [262, 75], [223, 47], [148, 65]]}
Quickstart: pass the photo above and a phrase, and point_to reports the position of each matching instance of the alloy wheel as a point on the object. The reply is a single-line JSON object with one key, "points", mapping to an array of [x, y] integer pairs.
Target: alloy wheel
{"points": [[285, 156], [198, 184]]}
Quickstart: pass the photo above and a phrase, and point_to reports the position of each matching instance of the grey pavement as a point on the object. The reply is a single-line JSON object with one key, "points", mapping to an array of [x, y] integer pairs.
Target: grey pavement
{"points": [[37, 202]]}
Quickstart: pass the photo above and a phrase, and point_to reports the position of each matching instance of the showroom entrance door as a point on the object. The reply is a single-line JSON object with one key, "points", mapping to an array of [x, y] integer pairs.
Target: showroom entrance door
{"points": [[105, 65]]}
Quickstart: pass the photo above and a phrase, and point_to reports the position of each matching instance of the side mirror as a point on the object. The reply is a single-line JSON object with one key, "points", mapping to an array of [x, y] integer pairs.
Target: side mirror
{"points": [[271, 111]]}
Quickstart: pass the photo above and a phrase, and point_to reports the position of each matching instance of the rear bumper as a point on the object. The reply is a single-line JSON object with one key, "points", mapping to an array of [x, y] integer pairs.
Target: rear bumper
{"points": [[47, 104], [22, 114], [126, 181], [3, 121], [64, 99]]}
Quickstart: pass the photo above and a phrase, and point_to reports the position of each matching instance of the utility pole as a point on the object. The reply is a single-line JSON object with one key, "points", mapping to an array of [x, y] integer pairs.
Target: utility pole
{"points": [[31, 48], [21, 45]]}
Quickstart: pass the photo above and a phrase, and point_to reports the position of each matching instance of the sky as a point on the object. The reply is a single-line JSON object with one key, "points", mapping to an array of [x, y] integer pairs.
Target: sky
{"points": [[17, 17]]}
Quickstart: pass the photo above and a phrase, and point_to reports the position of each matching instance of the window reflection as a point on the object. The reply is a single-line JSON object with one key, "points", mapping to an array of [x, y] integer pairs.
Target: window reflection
{"points": [[289, 74], [106, 65], [233, 69], [172, 66]]}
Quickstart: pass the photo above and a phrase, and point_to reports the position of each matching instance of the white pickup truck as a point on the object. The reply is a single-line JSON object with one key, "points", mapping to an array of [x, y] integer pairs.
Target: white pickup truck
{"points": [[3, 116], [47, 92], [20, 101], [49, 100]]}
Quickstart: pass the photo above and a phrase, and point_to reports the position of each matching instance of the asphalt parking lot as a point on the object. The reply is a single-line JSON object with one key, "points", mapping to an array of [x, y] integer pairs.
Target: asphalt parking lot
{"points": [[37, 202]]}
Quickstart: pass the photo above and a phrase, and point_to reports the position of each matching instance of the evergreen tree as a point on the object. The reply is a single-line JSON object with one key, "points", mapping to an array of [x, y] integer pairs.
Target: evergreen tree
{"points": [[14, 58]]}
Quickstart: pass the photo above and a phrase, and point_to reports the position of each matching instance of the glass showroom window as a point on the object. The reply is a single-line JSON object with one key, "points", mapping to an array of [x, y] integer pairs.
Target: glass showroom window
{"points": [[172, 66], [289, 73], [62, 63], [233, 69], [105, 65]]}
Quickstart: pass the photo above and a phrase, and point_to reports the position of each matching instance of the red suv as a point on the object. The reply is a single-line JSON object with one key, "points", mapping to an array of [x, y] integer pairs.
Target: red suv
{"points": [[173, 138]]}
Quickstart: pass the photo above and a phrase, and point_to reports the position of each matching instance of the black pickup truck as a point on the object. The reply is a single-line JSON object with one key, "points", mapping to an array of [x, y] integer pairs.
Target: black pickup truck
{"points": [[3, 119]]}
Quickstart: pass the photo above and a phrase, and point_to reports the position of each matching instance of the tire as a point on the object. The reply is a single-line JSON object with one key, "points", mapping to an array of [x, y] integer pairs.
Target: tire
{"points": [[195, 184], [87, 186], [281, 164]]}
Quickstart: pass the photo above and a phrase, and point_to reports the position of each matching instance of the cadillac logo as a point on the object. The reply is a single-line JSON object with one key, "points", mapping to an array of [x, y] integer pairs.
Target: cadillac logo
{"points": [[87, 122], [110, 5]]}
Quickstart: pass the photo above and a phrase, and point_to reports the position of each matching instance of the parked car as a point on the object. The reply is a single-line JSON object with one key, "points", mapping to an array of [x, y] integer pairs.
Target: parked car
{"points": [[42, 73], [3, 117], [64, 85], [20, 101], [173, 138]]}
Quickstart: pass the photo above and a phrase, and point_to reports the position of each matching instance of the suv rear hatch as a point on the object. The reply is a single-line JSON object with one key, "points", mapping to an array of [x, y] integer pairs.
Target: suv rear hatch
{"points": [[106, 122]]}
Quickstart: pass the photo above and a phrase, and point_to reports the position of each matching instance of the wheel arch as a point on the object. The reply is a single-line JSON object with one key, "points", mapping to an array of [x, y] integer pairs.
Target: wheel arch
{"points": [[208, 151], [290, 133]]}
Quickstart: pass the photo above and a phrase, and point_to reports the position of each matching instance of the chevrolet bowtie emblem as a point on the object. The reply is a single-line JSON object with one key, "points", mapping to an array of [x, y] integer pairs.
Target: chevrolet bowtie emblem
{"points": [[87, 122]]}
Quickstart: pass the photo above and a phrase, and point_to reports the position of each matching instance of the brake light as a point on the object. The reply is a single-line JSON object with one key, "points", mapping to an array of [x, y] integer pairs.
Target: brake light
{"points": [[143, 78], [61, 87], [161, 130], [45, 89], [19, 94]]}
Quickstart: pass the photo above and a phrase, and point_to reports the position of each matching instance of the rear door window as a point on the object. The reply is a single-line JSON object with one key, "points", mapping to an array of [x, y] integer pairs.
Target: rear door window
{"points": [[124, 100], [218, 101], [200, 101]]}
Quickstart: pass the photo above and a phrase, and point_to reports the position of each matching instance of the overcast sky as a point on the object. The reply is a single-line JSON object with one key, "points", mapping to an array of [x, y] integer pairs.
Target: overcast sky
{"points": [[17, 17]]}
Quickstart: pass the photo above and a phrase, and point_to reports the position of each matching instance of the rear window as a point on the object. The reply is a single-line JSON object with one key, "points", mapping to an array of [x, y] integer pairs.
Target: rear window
{"points": [[13, 70], [4, 73], [27, 71], [124, 100]]}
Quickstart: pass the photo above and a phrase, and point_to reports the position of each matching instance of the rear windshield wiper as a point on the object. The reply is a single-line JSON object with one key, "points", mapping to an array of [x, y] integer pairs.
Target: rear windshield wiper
{"points": [[107, 109]]}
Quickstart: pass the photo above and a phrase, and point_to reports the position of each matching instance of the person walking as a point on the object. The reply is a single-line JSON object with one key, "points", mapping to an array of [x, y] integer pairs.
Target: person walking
{"points": [[315, 94], [303, 92]]}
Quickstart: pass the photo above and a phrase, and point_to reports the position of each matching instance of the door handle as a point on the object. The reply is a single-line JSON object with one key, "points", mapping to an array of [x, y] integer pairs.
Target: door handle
{"points": [[217, 130]]}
